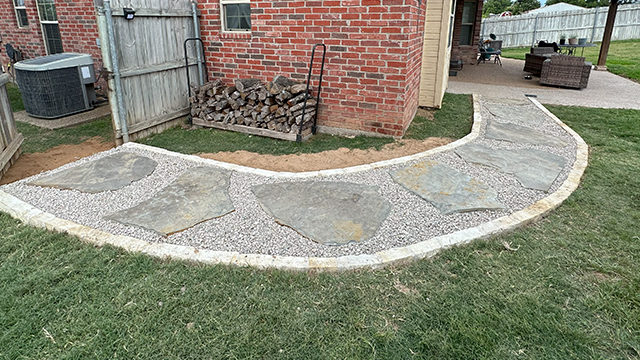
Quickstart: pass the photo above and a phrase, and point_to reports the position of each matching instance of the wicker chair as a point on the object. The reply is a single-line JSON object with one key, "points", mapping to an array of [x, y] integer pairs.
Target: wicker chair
{"points": [[533, 61], [566, 71]]}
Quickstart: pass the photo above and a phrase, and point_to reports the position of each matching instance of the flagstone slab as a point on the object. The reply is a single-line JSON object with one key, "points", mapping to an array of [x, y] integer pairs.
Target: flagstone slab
{"points": [[508, 111], [330, 213], [109, 173], [449, 190], [534, 169], [198, 195], [521, 134]]}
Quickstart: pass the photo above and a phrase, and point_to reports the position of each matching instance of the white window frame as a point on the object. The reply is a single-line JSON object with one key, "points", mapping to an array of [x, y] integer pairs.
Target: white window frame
{"points": [[223, 18], [15, 10], [452, 20], [43, 22]]}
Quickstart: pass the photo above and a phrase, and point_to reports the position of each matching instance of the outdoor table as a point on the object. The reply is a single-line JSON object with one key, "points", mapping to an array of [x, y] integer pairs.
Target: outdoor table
{"points": [[570, 49]]}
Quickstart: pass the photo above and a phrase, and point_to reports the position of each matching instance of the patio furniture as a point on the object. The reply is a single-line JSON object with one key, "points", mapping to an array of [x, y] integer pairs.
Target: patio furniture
{"points": [[565, 71], [571, 49], [486, 51], [533, 60]]}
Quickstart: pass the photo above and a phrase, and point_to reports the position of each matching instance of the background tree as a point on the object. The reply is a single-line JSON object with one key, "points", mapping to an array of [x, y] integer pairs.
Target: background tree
{"points": [[520, 6], [495, 7]]}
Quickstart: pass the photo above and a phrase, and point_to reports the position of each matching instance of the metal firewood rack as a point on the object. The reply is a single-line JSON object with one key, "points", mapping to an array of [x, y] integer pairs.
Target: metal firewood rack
{"points": [[304, 108]]}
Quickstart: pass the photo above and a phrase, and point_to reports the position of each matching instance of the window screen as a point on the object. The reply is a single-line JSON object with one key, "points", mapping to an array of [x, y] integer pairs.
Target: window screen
{"points": [[21, 13], [468, 20], [52, 37], [47, 10], [237, 17]]}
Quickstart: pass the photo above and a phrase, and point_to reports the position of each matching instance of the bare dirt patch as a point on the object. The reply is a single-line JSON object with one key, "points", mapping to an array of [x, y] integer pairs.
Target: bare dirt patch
{"points": [[35, 163], [330, 159]]}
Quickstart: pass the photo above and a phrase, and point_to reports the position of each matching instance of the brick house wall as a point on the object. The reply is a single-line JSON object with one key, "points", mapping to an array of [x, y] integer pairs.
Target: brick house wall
{"points": [[78, 29], [374, 51], [467, 53]]}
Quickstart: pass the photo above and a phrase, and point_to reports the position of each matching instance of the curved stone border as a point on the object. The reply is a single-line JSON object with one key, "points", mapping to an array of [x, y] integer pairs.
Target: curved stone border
{"points": [[35, 217]]}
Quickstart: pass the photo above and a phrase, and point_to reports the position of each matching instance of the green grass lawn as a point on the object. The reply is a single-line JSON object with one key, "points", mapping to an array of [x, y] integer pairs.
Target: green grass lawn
{"points": [[37, 139], [15, 99], [453, 120], [623, 58], [570, 291]]}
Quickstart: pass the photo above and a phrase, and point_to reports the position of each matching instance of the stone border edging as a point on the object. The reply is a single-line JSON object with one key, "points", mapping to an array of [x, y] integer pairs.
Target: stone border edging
{"points": [[36, 217]]}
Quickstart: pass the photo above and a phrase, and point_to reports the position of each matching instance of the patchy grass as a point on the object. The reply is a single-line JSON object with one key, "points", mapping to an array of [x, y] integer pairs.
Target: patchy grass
{"points": [[37, 139], [15, 99], [570, 291], [453, 120], [622, 59]]}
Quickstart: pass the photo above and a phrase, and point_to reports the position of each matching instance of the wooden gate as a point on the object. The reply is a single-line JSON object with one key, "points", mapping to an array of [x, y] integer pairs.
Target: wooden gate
{"points": [[10, 139], [151, 61]]}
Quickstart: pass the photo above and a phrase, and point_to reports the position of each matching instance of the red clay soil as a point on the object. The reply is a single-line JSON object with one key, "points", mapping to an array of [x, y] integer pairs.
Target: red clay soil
{"points": [[330, 159], [35, 163]]}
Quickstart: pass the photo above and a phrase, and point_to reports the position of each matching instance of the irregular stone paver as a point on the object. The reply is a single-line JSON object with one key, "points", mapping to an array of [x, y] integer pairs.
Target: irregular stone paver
{"points": [[520, 134], [446, 188], [111, 172], [199, 194], [330, 213], [535, 169], [506, 111]]}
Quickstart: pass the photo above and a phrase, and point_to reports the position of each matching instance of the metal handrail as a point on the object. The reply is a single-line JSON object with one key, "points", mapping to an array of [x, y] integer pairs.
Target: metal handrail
{"points": [[306, 96], [186, 61]]}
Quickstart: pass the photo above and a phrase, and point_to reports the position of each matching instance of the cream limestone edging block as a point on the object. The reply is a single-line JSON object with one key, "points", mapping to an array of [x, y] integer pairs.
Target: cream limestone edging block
{"points": [[35, 217]]}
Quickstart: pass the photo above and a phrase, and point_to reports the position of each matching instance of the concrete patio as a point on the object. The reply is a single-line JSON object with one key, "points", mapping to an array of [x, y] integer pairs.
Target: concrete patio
{"points": [[605, 90]]}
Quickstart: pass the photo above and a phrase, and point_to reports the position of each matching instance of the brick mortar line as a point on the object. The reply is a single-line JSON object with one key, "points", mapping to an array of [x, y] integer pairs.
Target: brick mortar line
{"points": [[38, 218]]}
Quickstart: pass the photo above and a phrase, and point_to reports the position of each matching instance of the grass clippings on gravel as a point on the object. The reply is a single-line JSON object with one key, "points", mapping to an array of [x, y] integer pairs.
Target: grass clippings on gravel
{"points": [[571, 290]]}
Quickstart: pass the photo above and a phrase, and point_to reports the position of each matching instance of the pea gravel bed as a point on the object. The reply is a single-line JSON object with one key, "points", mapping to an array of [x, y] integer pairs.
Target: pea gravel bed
{"points": [[250, 230]]}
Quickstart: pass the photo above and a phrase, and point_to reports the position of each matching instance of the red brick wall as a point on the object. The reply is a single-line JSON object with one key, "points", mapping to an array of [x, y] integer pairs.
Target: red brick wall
{"points": [[79, 28], [27, 39], [467, 53], [372, 70], [77, 22]]}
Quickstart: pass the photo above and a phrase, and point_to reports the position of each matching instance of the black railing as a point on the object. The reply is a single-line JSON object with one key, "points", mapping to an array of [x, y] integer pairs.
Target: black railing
{"points": [[186, 61], [304, 108]]}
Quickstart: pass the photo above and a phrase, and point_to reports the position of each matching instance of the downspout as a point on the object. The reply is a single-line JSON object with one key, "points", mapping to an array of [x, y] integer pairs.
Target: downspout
{"points": [[196, 29], [116, 72], [106, 63]]}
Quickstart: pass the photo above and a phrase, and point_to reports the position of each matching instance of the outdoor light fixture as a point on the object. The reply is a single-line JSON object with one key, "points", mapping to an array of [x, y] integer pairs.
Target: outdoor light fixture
{"points": [[129, 13]]}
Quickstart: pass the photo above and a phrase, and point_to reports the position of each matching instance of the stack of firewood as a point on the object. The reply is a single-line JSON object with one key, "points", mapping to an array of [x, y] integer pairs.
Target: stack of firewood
{"points": [[277, 105]]}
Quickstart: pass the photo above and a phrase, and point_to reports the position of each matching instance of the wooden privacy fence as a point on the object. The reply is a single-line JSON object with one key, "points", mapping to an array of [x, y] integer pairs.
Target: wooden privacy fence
{"points": [[150, 60], [10, 139], [526, 30]]}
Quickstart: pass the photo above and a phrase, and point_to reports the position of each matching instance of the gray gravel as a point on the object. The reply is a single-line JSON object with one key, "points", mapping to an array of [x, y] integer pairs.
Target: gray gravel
{"points": [[250, 230]]}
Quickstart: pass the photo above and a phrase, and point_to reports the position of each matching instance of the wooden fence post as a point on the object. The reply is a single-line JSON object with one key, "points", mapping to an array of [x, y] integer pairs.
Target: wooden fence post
{"points": [[10, 139], [606, 37]]}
